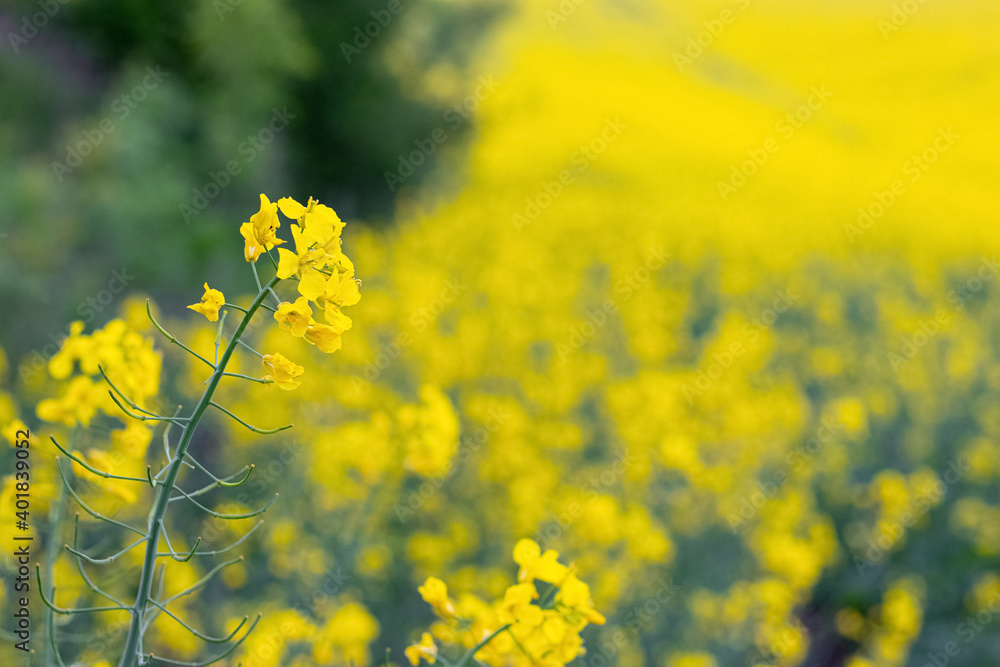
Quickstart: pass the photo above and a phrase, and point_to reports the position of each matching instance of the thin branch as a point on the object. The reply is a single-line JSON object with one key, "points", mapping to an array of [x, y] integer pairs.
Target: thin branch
{"points": [[273, 263], [256, 278], [166, 444], [153, 614], [199, 635], [247, 377], [152, 415], [101, 473], [204, 580], [172, 338], [79, 564], [91, 512], [475, 649], [228, 517], [51, 621], [216, 484], [173, 554], [260, 287], [215, 659], [218, 336], [249, 426], [60, 610], [143, 418], [247, 346], [221, 551], [104, 561]]}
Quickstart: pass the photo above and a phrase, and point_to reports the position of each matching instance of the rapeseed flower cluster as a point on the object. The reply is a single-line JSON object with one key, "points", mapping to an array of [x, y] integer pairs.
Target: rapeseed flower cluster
{"points": [[523, 628], [125, 355], [739, 424]]}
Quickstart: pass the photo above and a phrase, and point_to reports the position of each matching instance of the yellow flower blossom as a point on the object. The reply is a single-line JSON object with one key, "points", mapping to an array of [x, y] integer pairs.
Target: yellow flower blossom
{"points": [[325, 337], [425, 649], [435, 593], [283, 372], [536, 565], [517, 597], [210, 304], [574, 595], [320, 223], [535, 634], [294, 317], [259, 233], [304, 258]]}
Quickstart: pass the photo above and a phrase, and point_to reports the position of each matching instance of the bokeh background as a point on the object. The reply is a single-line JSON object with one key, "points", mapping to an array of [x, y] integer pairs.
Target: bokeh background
{"points": [[700, 294]]}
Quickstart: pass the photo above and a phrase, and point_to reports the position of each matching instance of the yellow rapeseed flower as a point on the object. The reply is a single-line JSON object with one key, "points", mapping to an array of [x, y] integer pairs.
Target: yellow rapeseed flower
{"points": [[259, 233], [536, 565], [294, 317], [211, 301], [425, 649], [320, 224], [283, 372], [435, 593], [325, 337]]}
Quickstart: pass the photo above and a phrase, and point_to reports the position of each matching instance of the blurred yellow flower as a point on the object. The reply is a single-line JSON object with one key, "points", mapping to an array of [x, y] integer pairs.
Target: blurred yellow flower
{"points": [[425, 649], [536, 565], [435, 593]]}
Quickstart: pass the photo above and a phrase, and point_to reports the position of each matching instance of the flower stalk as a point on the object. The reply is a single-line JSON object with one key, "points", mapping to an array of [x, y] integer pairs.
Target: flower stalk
{"points": [[132, 654]]}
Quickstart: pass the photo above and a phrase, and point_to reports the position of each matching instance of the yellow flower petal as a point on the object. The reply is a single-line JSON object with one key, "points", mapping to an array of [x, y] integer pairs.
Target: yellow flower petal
{"points": [[211, 301]]}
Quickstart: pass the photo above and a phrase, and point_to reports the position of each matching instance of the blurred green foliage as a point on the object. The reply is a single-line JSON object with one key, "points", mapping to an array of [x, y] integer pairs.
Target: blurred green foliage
{"points": [[227, 66]]}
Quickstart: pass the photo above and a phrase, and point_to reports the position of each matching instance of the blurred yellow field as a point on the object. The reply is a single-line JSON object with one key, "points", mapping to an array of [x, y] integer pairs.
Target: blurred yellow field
{"points": [[679, 350]]}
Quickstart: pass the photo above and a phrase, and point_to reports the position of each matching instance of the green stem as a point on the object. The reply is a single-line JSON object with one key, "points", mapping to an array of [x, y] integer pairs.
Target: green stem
{"points": [[131, 655], [51, 554], [468, 657]]}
